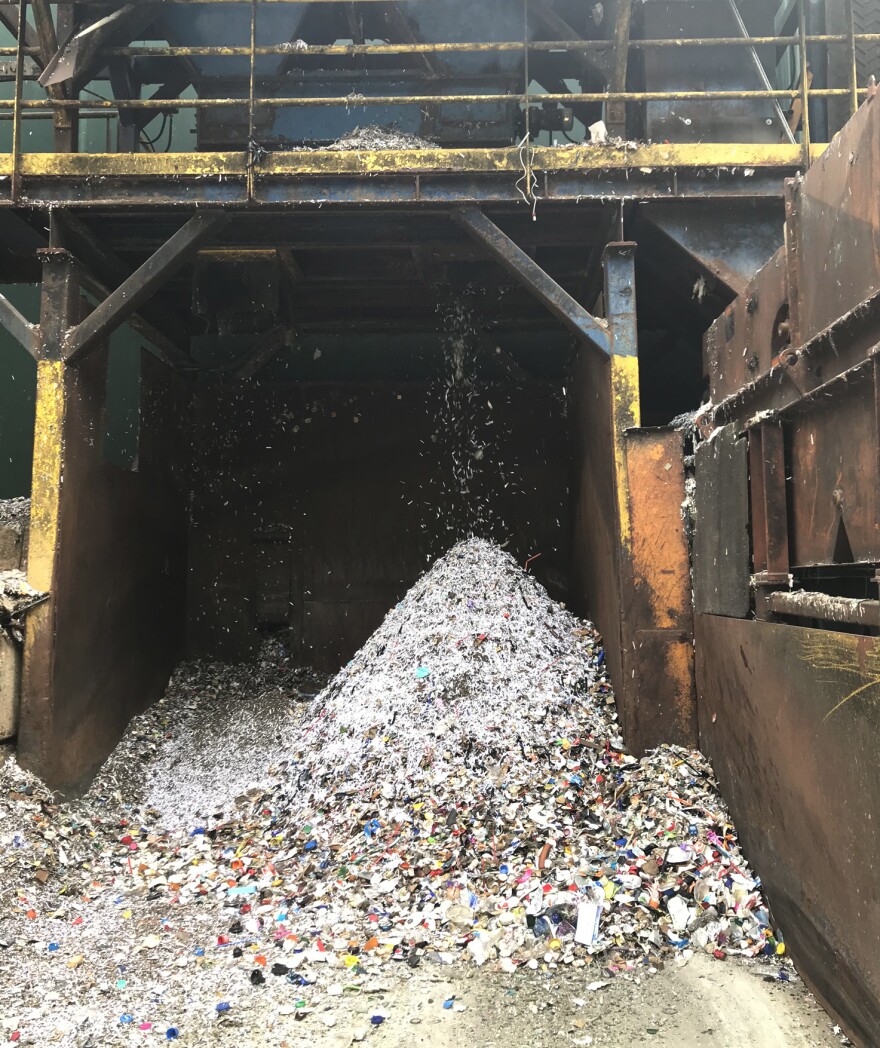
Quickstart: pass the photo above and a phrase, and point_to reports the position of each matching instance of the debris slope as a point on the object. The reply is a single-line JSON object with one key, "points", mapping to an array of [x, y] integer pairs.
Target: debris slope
{"points": [[458, 793]]}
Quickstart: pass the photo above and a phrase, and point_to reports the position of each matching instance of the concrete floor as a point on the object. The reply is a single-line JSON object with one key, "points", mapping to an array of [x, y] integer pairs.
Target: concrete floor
{"points": [[702, 1004]]}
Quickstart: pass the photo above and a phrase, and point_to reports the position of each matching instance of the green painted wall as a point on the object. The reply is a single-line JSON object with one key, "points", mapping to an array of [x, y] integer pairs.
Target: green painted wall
{"points": [[18, 384]]}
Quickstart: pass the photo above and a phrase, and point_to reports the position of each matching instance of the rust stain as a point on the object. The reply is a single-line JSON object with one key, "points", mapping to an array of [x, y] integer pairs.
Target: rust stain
{"points": [[659, 550], [680, 670]]}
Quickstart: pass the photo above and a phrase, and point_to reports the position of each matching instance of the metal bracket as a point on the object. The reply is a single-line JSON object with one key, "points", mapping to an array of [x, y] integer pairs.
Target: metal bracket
{"points": [[620, 297], [128, 298]]}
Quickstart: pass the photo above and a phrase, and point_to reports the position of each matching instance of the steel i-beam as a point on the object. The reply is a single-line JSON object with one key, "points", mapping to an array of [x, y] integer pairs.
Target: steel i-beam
{"points": [[512, 257], [128, 298]]}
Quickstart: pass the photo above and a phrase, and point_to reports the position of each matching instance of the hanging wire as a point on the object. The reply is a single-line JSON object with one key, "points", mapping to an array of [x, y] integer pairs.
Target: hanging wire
{"points": [[528, 183], [150, 142]]}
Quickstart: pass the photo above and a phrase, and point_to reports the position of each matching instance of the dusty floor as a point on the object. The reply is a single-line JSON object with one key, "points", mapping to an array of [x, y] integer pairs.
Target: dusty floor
{"points": [[703, 1003]]}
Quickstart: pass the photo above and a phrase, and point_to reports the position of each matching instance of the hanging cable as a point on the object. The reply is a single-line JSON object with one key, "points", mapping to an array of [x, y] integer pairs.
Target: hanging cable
{"points": [[527, 183], [151, 142]]}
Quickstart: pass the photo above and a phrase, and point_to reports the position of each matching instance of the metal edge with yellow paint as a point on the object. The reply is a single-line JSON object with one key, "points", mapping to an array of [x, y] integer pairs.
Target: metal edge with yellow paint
{"points": [[625, 414], [47, 473], [288, 164], [42, 558]]}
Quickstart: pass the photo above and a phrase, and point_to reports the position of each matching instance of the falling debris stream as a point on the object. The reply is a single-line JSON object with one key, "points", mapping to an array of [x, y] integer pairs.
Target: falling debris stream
{"points": [[455, 814]]}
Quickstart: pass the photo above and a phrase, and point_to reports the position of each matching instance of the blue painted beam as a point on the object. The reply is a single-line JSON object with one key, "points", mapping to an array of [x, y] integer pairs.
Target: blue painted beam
{"points": [[620, 297], [557, 300]]}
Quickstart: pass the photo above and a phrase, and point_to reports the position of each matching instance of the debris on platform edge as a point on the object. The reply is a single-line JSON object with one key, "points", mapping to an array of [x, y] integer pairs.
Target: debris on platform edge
{"points": [[459, 794], [370, 137]]}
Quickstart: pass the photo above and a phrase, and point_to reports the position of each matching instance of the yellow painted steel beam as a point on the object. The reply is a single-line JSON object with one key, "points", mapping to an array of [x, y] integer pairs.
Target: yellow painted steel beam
{"points": [[137, 165], [543, 158], [47, 469], [404, 162], [626, 413]]}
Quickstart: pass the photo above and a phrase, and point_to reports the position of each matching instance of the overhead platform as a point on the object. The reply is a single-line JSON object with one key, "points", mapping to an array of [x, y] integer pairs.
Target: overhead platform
{"points": [[384, 177]]}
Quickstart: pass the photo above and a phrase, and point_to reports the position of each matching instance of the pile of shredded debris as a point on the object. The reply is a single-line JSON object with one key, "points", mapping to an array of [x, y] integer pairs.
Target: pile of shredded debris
{"points": [[375, 137], [15, 512], [459, 792], [216, 734], [16, 598], [14, 522]]}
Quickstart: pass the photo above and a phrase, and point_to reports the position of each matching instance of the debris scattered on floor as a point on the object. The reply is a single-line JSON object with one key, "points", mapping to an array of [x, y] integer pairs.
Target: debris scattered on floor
{"points": [[458, 794]]}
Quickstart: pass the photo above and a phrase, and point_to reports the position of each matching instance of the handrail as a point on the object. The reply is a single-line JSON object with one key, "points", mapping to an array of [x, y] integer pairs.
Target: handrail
{"points": [[356, 100], [457, 47], [512, 89]]}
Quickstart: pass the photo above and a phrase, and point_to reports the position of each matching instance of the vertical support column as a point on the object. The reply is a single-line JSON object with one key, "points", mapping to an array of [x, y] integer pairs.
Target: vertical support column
{"points": [[125, 85], [620, 311], [616, 111], [792, 193], [623, 403], [17, 100], [805, 82], [59, 310], [66, 120], [252, 144], [852, 64]]}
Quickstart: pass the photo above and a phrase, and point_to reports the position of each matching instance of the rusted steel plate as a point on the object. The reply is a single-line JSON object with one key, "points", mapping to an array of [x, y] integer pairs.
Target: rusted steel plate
{"points": [[837, 211], [800, 377], [829, 267], [834, 478], [721, 539], [659, 690], [791, 720], [775, 498], [658, 697], [743, 342], [659, 552]]}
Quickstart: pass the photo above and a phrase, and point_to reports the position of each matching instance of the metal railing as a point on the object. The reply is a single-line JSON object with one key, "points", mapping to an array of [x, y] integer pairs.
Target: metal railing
{"points": [[798, 95]]}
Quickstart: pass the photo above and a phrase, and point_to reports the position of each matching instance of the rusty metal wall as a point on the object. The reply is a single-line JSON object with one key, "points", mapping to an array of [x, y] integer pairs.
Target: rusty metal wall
{"points": [[721, 534], [790, 715], [749, 324], [837, 211], [834, 472], [595, 551], [115, 623], [771, 346], [657, 629], [791, 720], [318, 506], [630, 572]]}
